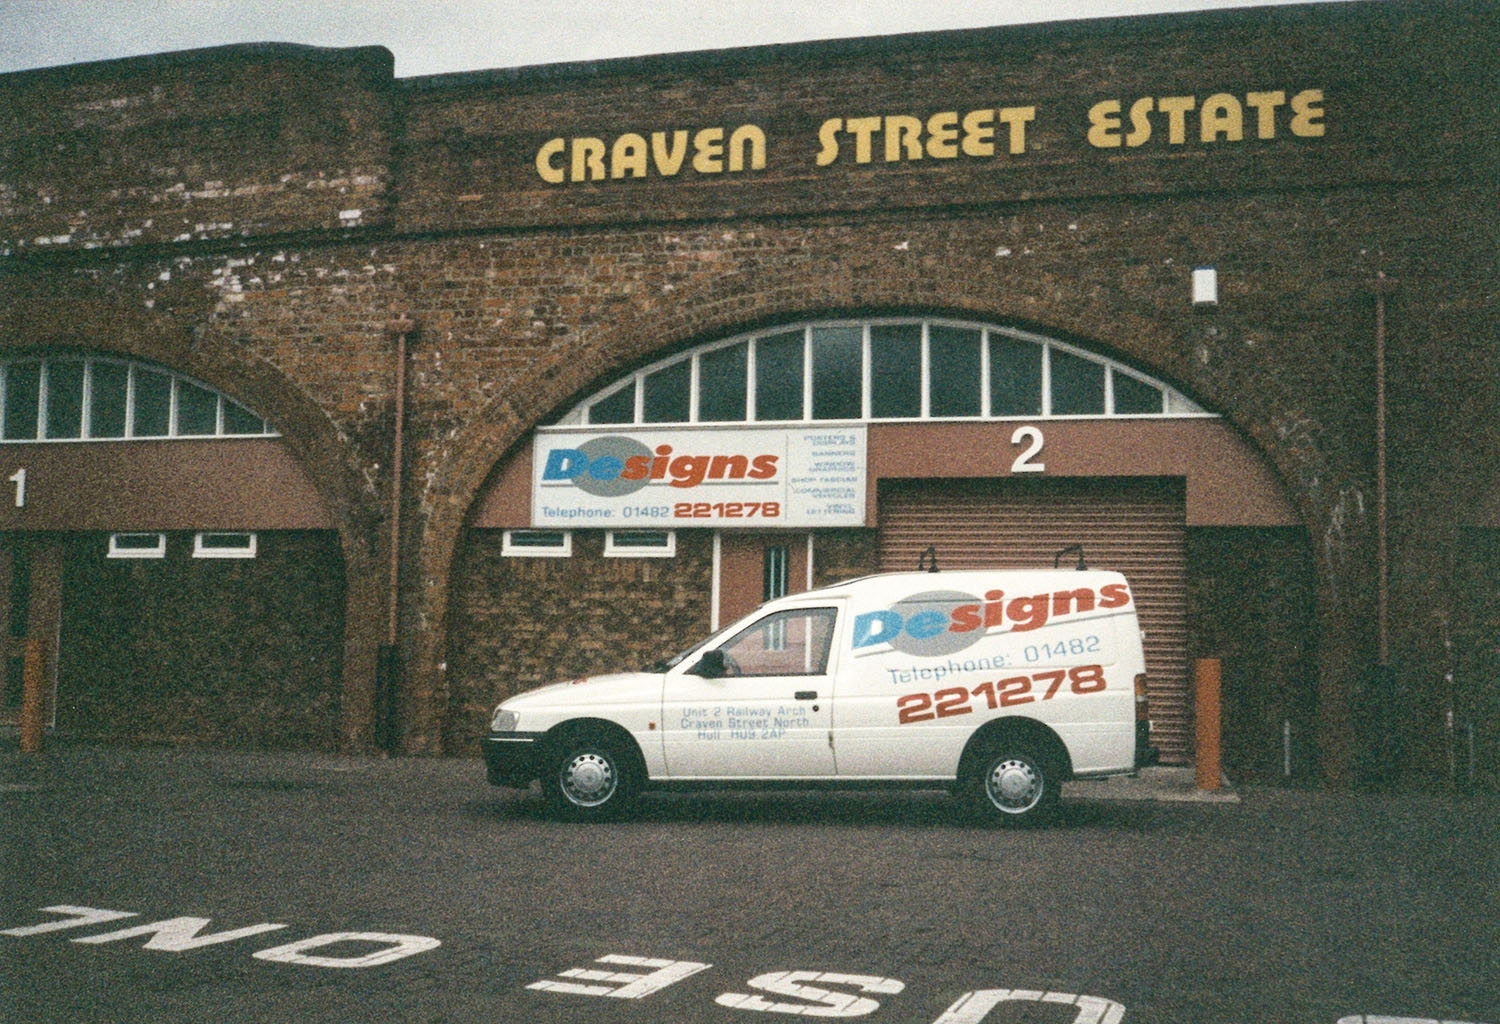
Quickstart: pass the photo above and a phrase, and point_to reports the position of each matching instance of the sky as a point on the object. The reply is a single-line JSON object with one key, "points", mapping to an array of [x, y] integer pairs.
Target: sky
{"points": [[437, 36]]}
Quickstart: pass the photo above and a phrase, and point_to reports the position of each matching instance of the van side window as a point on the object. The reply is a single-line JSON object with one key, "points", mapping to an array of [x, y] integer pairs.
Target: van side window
{"points": [[790, 643]]}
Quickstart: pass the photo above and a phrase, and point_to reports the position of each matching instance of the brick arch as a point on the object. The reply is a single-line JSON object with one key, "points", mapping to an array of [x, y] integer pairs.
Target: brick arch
{"points": [[313, 440], [729, 305]]}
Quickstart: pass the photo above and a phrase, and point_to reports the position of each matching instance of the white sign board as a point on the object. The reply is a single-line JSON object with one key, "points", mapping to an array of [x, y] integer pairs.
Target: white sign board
{"points": [[666, 477]]}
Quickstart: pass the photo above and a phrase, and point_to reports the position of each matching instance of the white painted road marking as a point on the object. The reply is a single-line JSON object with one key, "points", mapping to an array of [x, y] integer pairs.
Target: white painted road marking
{"points": [[820, 1001], [179, 934], [81, 916], [184, 934], [622, 984], [973, 1007], [396, 947]]}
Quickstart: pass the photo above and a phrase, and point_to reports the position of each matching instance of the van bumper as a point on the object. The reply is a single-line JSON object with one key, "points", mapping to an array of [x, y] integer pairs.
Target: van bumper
{"points": [[512, 758], [1145, 754]]}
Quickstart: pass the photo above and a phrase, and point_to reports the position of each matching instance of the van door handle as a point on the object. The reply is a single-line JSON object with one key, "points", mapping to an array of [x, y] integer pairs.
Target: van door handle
{"points": [[807, 695]]}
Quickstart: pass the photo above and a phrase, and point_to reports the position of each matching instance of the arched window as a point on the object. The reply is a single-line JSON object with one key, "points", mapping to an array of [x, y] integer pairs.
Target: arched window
{"points": [[98, 398], [886, 369]]}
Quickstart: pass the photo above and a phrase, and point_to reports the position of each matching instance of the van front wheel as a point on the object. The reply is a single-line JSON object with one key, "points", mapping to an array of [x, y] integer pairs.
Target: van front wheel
{"points": [[1013, 785], [588, 780]]}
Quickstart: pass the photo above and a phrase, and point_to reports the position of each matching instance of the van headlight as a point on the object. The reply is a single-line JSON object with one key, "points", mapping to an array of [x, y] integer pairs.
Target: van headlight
{"points": [[503, 721]]}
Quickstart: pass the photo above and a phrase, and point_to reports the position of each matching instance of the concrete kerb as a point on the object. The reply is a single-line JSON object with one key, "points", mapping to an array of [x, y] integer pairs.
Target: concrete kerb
{"points": [[1158, 783]]}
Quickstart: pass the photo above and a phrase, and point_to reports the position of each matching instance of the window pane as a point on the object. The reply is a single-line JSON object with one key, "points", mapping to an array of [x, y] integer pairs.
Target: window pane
{"points": [[107, 389], [722, 384], [197, 410], [239, 420], [1015, 377], [666, 397], [153, 403], [1135, 397], [23, 383], [778, 377], [136, 541], [64, 399], [616, 408], [954, 369], [793, 643], [838, 371], [896, 370], [1077, 385], [650, 540]]}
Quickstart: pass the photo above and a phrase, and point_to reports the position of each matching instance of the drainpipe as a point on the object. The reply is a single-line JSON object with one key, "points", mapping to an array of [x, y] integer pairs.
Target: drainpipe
{"points": [[388, 663], [1382, 287]]}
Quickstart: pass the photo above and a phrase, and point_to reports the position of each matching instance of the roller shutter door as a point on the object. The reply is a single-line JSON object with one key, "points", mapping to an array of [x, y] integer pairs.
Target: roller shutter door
{"points": [[1136, 527]]}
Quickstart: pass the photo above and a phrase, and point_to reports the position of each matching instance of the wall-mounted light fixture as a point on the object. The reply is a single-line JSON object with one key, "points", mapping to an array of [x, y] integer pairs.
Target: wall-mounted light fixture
{"points": [[1205, 287]]}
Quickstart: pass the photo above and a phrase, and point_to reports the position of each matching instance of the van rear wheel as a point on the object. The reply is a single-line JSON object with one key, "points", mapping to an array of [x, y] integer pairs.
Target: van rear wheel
{"points": [[1012, 784]]}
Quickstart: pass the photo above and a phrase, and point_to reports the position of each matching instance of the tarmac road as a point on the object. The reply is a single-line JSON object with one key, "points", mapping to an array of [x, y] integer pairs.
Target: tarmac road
{"points": [[143, 885]]}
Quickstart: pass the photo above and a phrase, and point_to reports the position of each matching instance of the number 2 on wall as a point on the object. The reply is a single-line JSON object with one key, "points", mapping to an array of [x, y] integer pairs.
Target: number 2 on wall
{"points": [[19, 479], [1026, 461]]}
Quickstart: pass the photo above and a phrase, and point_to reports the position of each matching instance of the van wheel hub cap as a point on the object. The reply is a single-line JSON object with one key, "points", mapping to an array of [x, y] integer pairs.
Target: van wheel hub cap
{"points": [[1013, 785], [588, 779]]}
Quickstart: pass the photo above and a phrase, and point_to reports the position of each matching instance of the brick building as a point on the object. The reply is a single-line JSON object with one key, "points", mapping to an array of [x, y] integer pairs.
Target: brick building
{"points": [[1211, 295]]}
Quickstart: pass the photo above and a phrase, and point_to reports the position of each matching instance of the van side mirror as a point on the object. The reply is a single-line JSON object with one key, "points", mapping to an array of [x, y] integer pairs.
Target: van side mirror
{"points": [[710, 666]]}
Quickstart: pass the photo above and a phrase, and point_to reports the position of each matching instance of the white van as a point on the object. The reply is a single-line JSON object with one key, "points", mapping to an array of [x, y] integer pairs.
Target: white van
{"points": [[997, 685]]}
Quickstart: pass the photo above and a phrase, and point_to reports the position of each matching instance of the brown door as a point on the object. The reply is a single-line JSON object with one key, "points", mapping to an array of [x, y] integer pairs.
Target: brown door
{"points": [[30, 611], [756, 567]]}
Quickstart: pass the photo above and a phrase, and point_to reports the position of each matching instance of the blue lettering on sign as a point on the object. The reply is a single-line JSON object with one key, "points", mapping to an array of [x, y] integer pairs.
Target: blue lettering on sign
{"points": [[925, 625], [564, 464], [606, 468]]}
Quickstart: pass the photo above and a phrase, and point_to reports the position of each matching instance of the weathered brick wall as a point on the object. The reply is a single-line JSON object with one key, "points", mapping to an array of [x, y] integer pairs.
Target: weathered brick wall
{"points": [[530, 295], [1252, 603], [236, 652], [226, 143], [841, 555], [524, 622]]}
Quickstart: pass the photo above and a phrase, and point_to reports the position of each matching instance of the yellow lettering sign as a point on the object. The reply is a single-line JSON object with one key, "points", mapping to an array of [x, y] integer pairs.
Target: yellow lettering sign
{"points": [[1307, 106], [663, 154], [1220, 117], [902, 138]]}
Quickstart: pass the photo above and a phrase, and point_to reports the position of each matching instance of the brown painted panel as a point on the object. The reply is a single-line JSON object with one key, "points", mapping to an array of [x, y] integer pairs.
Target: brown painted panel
{"points": [[1228, 483], [228, 484]]}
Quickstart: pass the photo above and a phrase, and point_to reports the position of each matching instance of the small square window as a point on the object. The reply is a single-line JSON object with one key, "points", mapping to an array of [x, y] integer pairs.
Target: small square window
{"points": [[137, 545], [537, 544], [224, 545], [640, 544]]}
